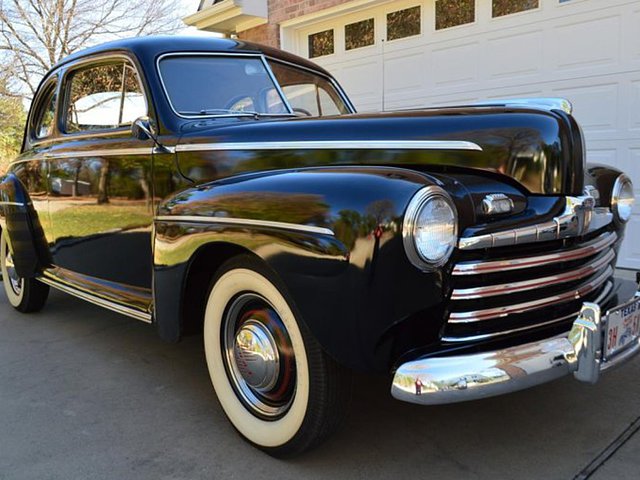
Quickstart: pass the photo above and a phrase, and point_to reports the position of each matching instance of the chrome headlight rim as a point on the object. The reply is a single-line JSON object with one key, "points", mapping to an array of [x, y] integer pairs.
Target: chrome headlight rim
{"points": [[417, 202], [618, 185]]}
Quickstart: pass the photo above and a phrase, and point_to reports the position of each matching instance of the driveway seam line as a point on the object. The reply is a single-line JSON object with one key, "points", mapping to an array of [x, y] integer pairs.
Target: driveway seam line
{"points": [[609, 451]]}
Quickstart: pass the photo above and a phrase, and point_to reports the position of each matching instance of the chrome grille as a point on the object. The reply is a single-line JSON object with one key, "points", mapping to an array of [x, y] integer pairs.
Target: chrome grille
{"points": [[502, 294]]}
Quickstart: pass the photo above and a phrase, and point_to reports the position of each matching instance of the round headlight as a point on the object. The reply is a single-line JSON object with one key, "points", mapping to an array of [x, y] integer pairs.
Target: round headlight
{"points": [[430, 229], [622, 198]]}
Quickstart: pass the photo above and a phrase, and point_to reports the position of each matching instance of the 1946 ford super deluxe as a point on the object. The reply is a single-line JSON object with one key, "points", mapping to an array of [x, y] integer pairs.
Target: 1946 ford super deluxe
{"points": [[197, 183]]}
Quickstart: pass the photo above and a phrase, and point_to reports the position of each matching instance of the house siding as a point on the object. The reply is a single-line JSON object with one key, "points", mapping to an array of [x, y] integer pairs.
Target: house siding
{"points": [[280, 11]]}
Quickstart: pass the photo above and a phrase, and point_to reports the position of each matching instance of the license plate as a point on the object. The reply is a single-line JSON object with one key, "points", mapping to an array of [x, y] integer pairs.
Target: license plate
{"points": [[623, 327]]}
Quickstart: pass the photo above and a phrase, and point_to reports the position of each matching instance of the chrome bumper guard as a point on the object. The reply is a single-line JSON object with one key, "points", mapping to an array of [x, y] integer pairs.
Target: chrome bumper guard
{"points": [[433, 381]]}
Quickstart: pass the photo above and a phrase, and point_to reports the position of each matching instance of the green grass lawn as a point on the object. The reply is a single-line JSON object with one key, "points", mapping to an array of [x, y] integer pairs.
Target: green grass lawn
{"points": [[91, 219]]}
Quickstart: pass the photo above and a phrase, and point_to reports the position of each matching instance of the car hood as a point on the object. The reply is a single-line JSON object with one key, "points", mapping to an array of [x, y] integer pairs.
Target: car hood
{"points": [[540, 149]]}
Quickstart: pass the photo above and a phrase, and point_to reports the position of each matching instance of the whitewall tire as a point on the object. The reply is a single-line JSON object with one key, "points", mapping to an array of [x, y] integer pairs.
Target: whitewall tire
{"points": [[24, 294], [276, 386]]}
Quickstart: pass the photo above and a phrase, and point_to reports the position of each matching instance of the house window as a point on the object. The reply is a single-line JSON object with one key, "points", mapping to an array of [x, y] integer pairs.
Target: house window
{"points": [[499, 8], [359, 34], [403, 23], [451, 13], [321, 43]]}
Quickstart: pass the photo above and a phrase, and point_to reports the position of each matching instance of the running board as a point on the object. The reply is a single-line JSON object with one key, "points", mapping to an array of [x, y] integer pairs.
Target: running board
{"points": [[99, 301]]}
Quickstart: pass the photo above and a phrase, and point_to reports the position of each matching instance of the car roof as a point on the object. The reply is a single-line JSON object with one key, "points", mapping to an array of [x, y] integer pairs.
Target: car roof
{"points": [[157, 45]]}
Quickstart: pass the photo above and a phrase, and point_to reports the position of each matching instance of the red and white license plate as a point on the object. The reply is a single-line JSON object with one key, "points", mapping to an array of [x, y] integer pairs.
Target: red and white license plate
{"points": [[623, 327]]}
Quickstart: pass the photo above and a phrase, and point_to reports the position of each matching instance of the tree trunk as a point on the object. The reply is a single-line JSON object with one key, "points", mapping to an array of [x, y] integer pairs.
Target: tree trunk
{"points": [[103, 183]]}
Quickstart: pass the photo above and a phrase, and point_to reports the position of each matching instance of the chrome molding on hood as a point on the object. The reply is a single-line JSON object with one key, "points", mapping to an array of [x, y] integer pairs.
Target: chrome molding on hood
{"points": [[579, 218]]}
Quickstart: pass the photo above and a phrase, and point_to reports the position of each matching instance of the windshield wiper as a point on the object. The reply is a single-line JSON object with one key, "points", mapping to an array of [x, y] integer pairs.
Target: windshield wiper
{"points": [[237, 113]]}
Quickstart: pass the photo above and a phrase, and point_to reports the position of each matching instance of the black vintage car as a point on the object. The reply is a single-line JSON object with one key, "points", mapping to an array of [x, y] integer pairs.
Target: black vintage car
{"points": [[197, 183]]}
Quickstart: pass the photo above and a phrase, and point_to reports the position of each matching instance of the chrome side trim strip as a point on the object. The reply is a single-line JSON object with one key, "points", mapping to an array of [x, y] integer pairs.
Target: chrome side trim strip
{"points": [[101, 302], [334, 145], [579, 218], [585, 250], [498, 312], [470, 338], [13, 204], [100, 153], [522, 286], [244, 222]]}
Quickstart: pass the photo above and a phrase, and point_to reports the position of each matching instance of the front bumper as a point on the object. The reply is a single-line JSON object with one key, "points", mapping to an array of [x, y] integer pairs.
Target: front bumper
{"points": [[450, 379]]}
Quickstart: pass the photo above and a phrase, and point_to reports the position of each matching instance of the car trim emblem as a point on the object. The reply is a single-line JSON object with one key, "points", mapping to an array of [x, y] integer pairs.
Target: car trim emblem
{"points": [[496, 203]]}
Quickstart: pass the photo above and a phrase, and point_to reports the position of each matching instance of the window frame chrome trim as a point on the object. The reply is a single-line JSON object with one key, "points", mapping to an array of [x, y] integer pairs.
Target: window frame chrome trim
{"points": [[333, 145], [247, 222], [260, 56], [592, 247], [97, 60], [593, 267], [501, 312]]}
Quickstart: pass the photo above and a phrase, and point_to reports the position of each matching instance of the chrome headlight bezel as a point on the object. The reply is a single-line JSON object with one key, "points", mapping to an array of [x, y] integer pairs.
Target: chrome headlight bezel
{"points": [[618, 186], [416, 204]]}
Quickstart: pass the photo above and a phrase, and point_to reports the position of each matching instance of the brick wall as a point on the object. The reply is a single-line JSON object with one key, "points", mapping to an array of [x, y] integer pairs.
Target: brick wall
{"points": [[279, 11]]}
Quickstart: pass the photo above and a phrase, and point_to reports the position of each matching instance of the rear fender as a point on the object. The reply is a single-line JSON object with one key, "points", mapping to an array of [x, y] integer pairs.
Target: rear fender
{"points": [[19, 221]]}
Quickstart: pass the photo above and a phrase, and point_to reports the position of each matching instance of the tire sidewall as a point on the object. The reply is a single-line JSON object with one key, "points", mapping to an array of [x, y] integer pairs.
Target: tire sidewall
{"points": [[14, 298], [264, 433]]}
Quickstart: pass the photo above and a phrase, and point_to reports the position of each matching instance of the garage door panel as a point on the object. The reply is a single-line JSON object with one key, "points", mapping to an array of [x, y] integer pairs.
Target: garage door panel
{"points": [[578, 44], [513, 56], [630, 252], [596, 107], [405, 72], [605, 156], [455, 65], [634, 107], [632, 30]]}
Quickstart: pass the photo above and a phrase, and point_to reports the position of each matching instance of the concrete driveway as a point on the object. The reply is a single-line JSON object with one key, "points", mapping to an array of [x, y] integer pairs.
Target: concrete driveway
{"points": [[85, 393]]}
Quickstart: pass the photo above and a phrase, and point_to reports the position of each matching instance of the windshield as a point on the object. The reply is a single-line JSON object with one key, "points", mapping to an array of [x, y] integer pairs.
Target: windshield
{"points": [[216, 85], [220, 85]]}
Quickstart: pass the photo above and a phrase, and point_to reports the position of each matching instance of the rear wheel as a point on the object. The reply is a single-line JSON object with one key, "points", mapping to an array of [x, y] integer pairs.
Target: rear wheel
{"points": [[275, 384], [24, 294]]}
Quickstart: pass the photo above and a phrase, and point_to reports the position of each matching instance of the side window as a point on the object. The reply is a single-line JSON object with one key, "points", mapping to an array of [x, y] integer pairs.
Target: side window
{"points": [[307, 93], [103, 97], [46, 113]]}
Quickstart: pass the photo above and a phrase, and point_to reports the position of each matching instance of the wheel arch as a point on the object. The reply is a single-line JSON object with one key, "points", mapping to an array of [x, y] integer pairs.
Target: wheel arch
{"points": [[20, 222]]}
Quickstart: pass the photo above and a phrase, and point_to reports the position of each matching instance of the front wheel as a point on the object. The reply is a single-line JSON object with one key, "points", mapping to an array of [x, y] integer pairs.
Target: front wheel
{"points": [[275, 384], [24, 294]]}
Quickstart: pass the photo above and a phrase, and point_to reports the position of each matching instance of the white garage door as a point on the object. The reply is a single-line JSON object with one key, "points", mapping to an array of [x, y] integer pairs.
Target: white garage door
{"points": [[403, 54]]}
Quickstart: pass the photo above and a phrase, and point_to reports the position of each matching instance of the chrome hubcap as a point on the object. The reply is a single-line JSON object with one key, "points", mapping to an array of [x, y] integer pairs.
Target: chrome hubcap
{"points": [[14, 280], [258, 356]]}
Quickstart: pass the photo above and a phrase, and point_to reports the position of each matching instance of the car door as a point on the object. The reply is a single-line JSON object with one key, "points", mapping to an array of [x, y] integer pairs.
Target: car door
{"points": [[99, 182]]}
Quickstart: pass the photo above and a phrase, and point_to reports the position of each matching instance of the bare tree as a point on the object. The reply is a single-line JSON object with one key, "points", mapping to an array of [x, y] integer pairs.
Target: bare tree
{"points": [[36, 34]]}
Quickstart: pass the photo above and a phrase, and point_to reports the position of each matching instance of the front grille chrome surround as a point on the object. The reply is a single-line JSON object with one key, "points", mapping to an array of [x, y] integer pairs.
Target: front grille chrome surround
{"points": [[525, 285], [588, 249], [574, 294], [502, 291]]}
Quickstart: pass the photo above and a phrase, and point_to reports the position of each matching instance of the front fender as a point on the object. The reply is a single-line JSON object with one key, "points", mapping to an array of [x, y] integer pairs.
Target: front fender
{"points": [[333, 235], [19, 221]]}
